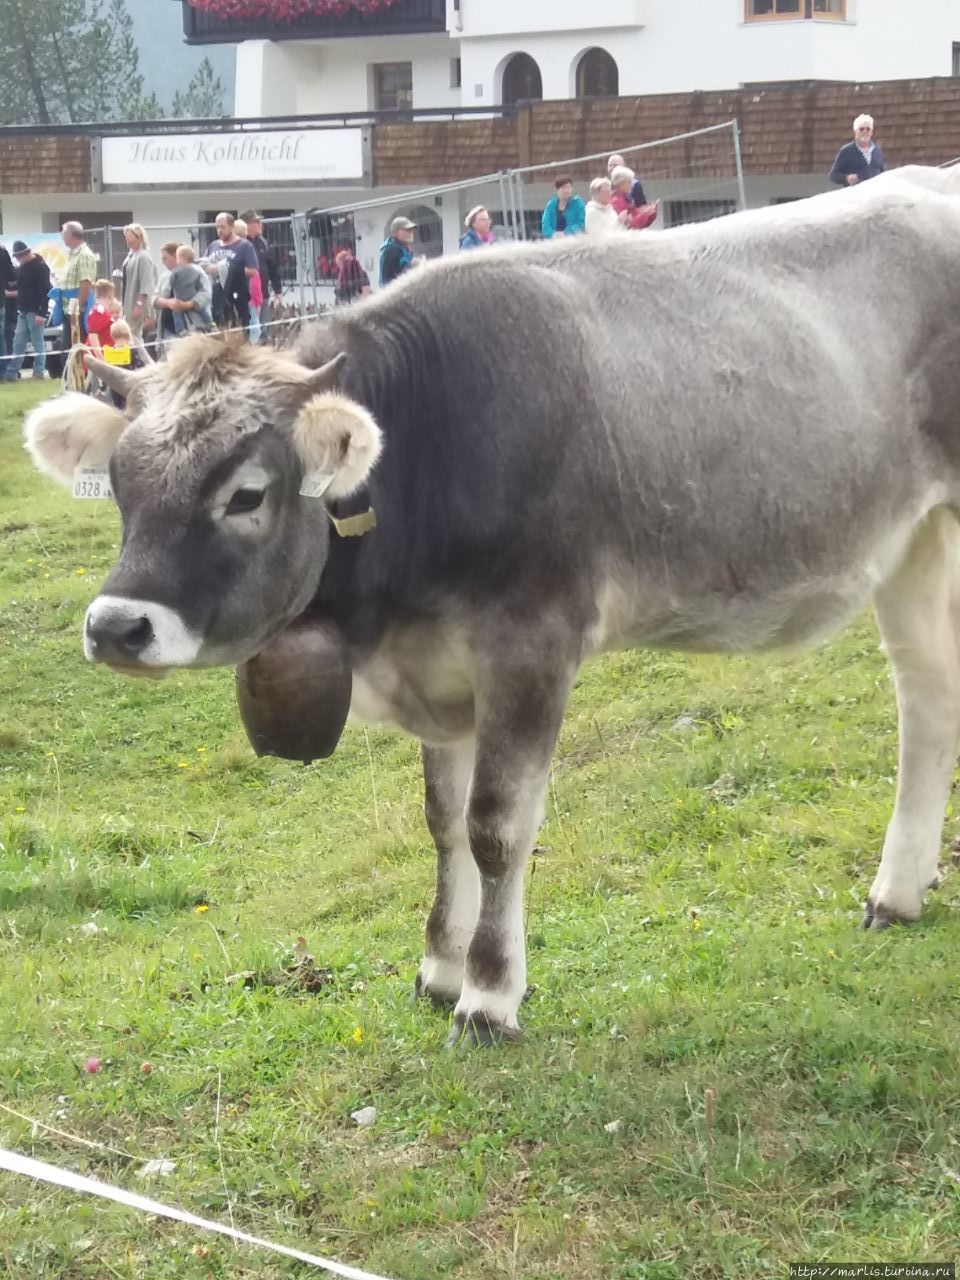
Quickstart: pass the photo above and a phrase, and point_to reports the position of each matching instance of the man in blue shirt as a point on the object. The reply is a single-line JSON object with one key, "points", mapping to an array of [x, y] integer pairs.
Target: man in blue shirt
{"points": [[396, 252], [232, 262], [860, 159]]}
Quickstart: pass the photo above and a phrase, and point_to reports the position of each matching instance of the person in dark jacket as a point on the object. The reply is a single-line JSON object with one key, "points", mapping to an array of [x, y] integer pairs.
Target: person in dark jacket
{"points": [[33, 288], [860, 159], [269, 266], [8, 305], [396, 252]]}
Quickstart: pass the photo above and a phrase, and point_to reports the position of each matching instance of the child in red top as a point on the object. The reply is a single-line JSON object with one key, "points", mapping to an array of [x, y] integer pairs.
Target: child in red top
{"points": [[106, 309]]}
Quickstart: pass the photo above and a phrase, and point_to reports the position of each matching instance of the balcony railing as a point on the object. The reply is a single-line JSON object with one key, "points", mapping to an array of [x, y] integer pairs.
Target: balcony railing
{"points": [[407, 17]]}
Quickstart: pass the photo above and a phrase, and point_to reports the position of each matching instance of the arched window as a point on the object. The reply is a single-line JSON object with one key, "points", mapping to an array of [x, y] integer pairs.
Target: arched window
{"points": [[597, 75], [521, 80]]}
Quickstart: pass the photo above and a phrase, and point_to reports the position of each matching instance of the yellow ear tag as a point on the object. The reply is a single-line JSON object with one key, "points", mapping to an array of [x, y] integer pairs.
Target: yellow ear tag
{"points": [[116, 355]]}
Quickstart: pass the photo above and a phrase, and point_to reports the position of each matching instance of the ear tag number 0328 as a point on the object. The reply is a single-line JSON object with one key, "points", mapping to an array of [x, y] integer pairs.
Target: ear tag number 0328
{"points": [[92, 482]]}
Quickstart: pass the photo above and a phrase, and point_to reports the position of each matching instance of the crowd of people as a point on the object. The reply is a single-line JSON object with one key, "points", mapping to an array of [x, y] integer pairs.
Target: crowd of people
{"points": [[230, 285]]}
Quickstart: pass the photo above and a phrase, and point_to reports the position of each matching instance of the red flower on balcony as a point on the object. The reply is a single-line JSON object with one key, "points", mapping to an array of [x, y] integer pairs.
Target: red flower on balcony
{"points": [[289, 10]]}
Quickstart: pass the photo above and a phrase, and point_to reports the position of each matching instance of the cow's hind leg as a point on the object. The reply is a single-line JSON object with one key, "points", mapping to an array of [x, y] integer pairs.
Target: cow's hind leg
{"points": [[918, 610], [446, 773]]}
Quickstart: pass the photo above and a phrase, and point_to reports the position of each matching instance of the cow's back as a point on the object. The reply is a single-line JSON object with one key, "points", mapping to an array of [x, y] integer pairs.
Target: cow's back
{"points": [[731, 407]]}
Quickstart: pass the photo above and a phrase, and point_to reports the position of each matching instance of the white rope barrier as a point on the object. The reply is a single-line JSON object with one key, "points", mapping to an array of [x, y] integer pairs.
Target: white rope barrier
{"points": [[40, 1171], [70, 356]]}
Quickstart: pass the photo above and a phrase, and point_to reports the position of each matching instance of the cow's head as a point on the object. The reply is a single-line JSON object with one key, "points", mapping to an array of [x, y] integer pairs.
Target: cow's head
{"points": [[220, 547]]}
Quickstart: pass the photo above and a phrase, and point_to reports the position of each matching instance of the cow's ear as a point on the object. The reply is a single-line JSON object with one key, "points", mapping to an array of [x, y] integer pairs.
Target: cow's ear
{"points": [[71, 431], [338, 442]]}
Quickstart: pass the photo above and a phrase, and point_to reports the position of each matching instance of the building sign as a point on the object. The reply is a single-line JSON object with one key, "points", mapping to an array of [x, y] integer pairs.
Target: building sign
{"points": [[212, 159]]}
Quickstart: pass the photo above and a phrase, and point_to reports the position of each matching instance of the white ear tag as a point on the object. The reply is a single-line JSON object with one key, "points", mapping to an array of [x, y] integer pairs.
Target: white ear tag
{"points": [[92, 482], [316, 483]]}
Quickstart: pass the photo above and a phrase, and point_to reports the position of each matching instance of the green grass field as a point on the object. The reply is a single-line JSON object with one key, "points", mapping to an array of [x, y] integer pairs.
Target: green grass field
{"points": [[779, 1086]]}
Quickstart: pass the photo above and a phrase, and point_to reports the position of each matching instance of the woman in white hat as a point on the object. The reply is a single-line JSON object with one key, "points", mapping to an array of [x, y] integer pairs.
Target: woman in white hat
{"points": [[477, 234]]}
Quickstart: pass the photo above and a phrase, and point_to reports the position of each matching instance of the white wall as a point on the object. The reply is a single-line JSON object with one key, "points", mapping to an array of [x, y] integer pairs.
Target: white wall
{"points": [[319, 76], [557, 56], [485, 18], [705, 44], [660, 46], [265, 79]]}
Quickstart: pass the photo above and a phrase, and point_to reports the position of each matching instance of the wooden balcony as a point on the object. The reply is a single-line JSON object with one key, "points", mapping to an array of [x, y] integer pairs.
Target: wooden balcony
{"points": [[407, 17]]}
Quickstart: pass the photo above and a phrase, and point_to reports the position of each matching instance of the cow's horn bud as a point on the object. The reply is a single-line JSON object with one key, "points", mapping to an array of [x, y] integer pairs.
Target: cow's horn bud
{"points": [[113, 376]]}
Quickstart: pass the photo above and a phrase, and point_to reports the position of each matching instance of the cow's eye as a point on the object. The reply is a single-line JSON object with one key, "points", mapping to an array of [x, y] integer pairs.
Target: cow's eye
{"points": [[244, 501]]}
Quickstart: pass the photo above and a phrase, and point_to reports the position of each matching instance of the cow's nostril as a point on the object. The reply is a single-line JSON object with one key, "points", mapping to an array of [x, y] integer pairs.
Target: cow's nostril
{"points": [[117, 636], [135, 636]]}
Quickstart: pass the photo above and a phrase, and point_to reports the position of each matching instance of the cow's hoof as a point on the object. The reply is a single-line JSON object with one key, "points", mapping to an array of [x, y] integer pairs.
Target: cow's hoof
{"points": [[480, 1030], [439, 999], [877, 917]]}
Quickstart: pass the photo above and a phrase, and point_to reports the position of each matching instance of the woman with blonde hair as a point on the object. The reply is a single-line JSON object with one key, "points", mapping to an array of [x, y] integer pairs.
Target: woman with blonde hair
{"points": [[139, 279], [602, 218]]}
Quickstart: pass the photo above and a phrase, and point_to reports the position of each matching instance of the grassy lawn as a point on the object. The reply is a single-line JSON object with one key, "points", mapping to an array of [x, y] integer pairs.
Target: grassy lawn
{"points": [[720, 1073]]}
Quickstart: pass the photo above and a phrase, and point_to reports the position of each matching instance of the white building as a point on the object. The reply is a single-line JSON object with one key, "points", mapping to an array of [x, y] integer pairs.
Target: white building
{"points": [[649, 68], [496, 51]]}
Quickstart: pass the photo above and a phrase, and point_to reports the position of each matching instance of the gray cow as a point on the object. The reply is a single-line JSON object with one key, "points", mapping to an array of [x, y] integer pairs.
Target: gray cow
{"points": [[726, 437]]}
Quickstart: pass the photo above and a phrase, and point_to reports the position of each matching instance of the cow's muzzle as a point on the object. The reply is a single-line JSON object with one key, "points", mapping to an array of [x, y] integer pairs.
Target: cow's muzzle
{"points": [[137, 636]]}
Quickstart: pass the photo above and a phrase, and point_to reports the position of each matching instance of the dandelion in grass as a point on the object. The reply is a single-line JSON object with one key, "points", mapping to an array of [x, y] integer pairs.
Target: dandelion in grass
{"points": [[201, 908], [80, 572], [183, 764], [357, 1036]]}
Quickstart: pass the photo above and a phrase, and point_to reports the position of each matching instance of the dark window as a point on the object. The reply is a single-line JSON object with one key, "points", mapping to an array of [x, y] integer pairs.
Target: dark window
{"points": [[956, 59], [456, 73], [521, 80], [393, 86], [680, 211], [279, 236], [597, 75], [328, 233], [772, 10]]}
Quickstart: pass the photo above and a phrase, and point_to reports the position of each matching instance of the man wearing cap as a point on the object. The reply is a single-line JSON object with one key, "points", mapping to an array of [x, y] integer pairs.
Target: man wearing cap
{"points": [[396, 254], [267, 262], [33, 288]]}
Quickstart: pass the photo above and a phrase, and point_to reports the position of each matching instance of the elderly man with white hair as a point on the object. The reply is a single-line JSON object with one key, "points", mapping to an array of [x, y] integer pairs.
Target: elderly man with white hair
{"points": [[860, 159]]}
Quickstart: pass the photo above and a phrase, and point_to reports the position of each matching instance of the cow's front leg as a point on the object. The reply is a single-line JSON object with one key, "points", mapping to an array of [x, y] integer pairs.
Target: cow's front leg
{"points": [[446, 774], [516, 734]]}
